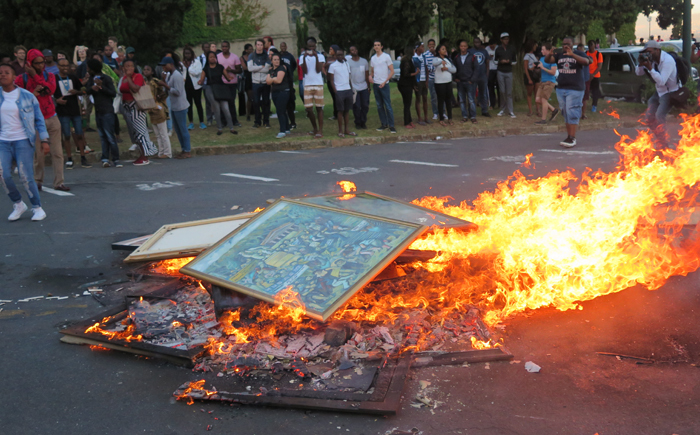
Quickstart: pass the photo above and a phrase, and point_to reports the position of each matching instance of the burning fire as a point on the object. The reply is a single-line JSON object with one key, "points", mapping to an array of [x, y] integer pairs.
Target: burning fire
{"points": [[528, 163], [612, 113], [171, 266], [198, 387], [258, 209], [126, 335], [347, 186]]}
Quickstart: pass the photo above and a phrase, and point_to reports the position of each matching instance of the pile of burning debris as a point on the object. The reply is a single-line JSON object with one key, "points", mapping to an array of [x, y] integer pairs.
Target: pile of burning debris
{"points": [[326, 302]]}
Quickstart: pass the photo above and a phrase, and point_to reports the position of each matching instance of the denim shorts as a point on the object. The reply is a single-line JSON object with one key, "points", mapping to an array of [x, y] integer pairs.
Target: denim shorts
{"points": [[65, 125], [570, 102]]}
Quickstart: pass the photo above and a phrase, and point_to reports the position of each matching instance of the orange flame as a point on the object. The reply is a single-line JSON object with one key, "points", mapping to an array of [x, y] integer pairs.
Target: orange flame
{"points": [[612, 113], [347, 186], [258, 209], [528, 163], [171, 266], [197, 386], [126, 335]]}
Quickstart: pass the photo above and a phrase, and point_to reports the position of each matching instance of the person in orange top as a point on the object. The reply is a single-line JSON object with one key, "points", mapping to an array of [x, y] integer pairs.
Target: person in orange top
{"points": [[593, 84]]}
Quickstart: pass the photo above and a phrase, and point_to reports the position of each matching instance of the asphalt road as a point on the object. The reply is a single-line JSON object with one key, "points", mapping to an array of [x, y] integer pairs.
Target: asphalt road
{"points": [[49, 387]]}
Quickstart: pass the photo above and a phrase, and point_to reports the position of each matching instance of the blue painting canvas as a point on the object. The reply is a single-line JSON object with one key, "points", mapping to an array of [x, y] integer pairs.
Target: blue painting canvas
{"points": [[323, 255]]}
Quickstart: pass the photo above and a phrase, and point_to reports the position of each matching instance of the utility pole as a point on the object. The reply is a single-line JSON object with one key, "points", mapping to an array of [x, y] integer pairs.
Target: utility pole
{"points": [[687, 32]]}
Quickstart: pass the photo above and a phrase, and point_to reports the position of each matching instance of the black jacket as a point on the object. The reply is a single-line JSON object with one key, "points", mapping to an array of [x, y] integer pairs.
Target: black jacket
{"points": [[104, 97]]}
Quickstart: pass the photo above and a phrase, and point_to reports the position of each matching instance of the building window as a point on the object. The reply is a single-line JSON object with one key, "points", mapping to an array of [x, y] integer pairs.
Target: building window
{"points": [[213, 15]]}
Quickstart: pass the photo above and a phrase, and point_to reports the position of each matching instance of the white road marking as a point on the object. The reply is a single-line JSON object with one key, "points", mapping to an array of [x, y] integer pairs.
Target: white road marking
{"points": [[158, 185], [427, 143], [250, 177], [580, 152], [349, 171], [509, 159], [410, 162], [56, 192], [292, 152]]}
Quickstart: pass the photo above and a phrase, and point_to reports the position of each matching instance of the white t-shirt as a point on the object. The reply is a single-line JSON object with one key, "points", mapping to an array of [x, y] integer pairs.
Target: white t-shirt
{"points": [[341, 75], [11, 127], [311, 77], [492, 58], [381, 67]]}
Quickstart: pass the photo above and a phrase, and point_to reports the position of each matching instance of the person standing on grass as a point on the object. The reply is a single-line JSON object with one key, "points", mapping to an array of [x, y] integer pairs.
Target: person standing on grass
{"points": [[311, 63], [103, 90], [174, 83], [547, 85], [381, 72], [214, 74], [259, 66], [331, 61], [278, 80], [430, 71], [232, 63], [593, 84], [463, 62], [407, 84], [494, 95], [159, 115], [506, 57], [68, 111], [247, 94], [570, 86], [478, 59], [339, 77], [531, 76], [359, 76], [21, 119], [443, 84], [43, 85], [20, 60], [421, 85], [130, 85], [193, 71], [202, 58], [291, 63], [586, 79]]}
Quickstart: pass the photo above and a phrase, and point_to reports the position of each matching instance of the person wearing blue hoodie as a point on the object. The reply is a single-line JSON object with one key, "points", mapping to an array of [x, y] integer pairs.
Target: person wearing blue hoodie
{"points": [[478, 57]]}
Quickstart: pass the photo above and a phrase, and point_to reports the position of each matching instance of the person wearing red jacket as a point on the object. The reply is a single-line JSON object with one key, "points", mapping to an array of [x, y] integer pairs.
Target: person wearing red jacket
{"points": [[43, 85]]}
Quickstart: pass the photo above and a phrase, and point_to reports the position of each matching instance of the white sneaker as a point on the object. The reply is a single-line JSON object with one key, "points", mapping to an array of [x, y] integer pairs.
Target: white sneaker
{"points": [[87, 149], [38, 214], [500, 113], [170, 133], [273, 116], [18, 209], [512, 115], [434, 116], [133, 147]]}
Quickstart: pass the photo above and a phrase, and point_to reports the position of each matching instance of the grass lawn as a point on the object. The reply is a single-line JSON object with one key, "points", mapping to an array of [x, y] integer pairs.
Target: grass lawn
{"points": [[247, 134]]}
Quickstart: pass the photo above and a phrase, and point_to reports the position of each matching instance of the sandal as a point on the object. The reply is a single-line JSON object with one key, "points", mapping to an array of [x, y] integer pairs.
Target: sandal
{"points": [[352, 133], [318, 135], [341, 135], [443, 123], [234, 131], [450, 122]]}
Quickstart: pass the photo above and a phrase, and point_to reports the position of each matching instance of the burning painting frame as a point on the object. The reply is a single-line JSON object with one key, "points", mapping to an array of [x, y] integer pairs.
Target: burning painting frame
{"points": [[325, 255], [376, 204], [130, 244], [209, 231]]}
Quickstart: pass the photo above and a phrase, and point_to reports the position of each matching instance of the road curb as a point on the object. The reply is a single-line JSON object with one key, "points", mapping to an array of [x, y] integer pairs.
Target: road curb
{"points": [[457, 133]]}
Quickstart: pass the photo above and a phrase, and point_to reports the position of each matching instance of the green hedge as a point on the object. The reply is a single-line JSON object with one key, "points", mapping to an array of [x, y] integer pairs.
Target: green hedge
{"points": [[241, 26]]}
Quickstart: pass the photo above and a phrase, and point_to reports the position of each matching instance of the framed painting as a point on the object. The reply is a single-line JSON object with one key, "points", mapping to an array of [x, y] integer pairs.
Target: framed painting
{"points": [[186, 239], [383, 206], [130, 244], [323, 254]]}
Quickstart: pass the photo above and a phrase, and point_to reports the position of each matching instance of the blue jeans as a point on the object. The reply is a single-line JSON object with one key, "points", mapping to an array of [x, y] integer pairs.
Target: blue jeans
{"points": [[261, 103], [433, 95], [570, 102], [301, 90], [105, 127], [65, 125], [482, 87], [170, 121], [462, 90], [22, 152], [361, 107], [657, 109], [383, 97], [281, 98], [180, 126]]}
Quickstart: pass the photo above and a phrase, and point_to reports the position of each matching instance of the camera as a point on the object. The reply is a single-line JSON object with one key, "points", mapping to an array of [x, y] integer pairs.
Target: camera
{"points": [[644, 57]]}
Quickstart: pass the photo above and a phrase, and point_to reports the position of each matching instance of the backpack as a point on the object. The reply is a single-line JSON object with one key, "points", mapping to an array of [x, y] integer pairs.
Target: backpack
{"points": [[25, 78], [682, 67]]}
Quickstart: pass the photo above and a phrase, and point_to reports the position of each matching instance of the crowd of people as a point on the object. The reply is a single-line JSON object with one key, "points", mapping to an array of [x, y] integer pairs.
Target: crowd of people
{"points": [[49, 99]]}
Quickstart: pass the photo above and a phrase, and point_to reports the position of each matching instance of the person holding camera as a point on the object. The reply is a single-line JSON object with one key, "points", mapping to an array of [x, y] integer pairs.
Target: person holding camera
{"points": [[661, 68]]}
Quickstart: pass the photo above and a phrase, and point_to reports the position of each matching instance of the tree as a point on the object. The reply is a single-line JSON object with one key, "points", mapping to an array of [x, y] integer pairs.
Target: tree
{"points": [[146, 26], [240, 19], [397, 23]]}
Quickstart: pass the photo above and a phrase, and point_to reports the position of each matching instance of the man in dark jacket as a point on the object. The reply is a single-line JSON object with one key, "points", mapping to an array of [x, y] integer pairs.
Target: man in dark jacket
{"points": [[478, 61], [463, 65], [103, 91]]}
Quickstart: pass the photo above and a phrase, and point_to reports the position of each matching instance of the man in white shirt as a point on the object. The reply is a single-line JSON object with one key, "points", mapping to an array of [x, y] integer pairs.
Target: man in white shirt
{"points": [[311, 63], [661, 68], [359, 75], [339, 80], [381, 71]]}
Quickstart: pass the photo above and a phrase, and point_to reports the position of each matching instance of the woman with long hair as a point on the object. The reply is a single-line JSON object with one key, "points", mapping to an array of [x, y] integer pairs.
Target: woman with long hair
{"points": [[130, 84], [443, 83], [532, 75], [278, 80], [217, 93], [20, 121], [247, 94], [408, 84], [193, 72]]}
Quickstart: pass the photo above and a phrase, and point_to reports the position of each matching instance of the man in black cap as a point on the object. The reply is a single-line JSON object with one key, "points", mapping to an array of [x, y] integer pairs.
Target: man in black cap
{"points": [[51, 67]]}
